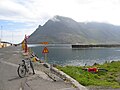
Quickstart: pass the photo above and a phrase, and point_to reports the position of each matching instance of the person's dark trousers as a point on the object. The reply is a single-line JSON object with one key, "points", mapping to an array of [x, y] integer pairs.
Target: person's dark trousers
{"points": [[32, 67]]}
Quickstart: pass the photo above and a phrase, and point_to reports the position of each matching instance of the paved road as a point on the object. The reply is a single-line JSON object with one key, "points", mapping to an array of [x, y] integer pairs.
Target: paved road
{"points": [[10, 57]]}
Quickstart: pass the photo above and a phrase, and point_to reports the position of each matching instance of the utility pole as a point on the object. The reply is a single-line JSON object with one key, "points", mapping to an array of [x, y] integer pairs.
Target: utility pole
{"points": [[1, 38], [12, 37], [1, 34]]}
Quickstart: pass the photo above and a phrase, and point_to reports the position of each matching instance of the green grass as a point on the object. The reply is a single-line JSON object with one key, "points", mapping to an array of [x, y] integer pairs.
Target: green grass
{"points": [[111, 78]]}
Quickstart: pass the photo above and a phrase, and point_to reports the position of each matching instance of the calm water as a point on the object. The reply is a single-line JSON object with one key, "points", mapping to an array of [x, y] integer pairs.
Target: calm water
{"points": [[69, 56]]}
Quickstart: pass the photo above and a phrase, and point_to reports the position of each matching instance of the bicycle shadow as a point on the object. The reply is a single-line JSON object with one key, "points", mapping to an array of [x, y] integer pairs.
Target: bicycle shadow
{"points": [[18, 78], [15, 78]]}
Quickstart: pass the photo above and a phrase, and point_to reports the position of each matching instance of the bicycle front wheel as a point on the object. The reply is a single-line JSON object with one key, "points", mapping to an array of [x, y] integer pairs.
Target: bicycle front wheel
{"points": [[21, 71]]}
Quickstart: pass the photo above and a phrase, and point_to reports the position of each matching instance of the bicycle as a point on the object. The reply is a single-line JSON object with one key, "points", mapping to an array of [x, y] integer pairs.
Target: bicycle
{"points": [[95, 70], [25, 67]]}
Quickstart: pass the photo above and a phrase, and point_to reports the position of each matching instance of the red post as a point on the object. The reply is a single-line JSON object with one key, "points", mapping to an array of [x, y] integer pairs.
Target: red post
{"points": [[26, 48]]}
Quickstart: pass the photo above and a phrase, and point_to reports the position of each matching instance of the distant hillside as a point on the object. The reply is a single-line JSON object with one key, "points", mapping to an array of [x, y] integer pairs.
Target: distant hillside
{"points": [[59, 30]]}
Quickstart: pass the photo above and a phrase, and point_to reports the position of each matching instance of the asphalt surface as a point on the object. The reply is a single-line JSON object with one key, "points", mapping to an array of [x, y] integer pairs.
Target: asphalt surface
{"points": [[10, 57]]}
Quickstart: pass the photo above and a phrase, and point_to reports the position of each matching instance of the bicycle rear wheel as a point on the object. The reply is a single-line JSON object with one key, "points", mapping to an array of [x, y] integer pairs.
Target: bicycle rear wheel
{"points": [[21, 71], [102, 69]]}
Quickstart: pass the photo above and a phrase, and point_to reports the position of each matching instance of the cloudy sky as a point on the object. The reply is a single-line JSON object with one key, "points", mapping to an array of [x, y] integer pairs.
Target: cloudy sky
{"points": [[20, 17]]}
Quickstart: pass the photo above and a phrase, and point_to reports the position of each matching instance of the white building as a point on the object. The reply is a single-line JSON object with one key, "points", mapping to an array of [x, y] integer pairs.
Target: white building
{"points": [[4, 44]]}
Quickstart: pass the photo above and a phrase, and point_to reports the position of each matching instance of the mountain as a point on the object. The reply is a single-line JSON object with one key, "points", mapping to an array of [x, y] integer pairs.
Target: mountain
{"points": [[64, 30]]}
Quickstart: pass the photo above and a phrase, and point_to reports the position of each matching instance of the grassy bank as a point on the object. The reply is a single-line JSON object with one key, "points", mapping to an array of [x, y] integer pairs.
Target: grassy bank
{"points": [[107, 79]]}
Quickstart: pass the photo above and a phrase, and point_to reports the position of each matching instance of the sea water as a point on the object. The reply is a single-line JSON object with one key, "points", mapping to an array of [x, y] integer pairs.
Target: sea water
{"points": [[65, 55]]}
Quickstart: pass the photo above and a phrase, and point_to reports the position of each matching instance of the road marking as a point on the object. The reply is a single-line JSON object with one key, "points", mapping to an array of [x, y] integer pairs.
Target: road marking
{"points": [[8, 63], [20, 88]]}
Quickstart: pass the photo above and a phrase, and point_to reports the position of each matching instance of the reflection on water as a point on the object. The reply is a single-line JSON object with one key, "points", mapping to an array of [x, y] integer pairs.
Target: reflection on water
{"points": [[69, 56]]}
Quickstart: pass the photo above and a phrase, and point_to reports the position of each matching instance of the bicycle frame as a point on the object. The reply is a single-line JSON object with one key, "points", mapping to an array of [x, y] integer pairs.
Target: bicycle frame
{"points": [[26, 65]]}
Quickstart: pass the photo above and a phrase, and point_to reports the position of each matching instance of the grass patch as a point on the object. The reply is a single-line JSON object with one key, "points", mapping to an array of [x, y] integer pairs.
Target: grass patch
{"points": [[111, 78]]}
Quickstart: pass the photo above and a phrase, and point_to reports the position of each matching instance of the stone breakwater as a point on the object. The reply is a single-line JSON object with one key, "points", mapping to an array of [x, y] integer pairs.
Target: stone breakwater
{"points": [[96, 46]]}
